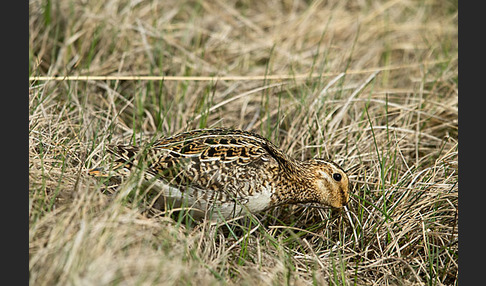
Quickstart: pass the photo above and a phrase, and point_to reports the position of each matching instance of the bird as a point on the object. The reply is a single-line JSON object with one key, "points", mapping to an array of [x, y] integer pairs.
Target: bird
{"points": [[224, 173]]}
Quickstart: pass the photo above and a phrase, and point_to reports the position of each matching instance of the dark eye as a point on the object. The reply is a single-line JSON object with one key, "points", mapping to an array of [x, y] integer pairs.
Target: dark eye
{"points": [[337, 176]]}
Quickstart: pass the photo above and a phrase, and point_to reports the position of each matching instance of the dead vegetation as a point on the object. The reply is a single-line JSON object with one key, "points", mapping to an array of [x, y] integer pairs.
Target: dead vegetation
{"points": [[380, 99]]}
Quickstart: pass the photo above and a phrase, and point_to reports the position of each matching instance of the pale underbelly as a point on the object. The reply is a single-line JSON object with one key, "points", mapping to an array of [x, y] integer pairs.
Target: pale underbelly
{"points": [[205, 204]]}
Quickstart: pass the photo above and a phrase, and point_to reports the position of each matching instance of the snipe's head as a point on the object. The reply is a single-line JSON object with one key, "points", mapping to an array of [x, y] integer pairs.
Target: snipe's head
{"points": [[331, 183]]}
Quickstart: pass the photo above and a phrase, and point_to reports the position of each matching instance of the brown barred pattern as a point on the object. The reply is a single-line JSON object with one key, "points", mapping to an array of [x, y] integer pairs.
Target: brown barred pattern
{"points": [[233, 170]]}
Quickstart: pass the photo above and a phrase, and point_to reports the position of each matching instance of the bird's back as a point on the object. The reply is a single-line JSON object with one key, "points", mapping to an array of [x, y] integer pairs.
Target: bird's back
{"points": [[208, 167]]}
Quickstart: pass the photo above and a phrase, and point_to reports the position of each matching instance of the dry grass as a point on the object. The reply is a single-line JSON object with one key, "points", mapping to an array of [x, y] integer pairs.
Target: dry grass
{"points": [[382, 103]]}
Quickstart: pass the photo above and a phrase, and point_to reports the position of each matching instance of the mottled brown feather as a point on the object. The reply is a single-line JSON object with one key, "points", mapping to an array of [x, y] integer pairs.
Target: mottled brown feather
{"points": [[221, 166]]}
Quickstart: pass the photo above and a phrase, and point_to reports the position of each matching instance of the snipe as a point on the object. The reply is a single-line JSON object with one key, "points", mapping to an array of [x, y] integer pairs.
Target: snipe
{"points": [[227, 172]]}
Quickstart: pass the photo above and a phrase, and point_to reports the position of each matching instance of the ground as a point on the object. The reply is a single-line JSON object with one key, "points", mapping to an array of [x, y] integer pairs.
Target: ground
{"points": [[371, 85]]}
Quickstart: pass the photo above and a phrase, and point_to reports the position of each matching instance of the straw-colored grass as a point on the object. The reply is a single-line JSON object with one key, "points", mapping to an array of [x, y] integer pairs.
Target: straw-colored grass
{"points": [[371, 85]]}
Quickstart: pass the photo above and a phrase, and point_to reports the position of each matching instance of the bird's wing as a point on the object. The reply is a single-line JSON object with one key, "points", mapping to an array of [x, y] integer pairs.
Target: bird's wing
{"points": [[223, 164]]}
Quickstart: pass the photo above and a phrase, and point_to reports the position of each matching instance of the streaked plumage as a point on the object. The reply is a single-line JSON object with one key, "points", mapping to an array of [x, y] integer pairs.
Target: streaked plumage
{"points": [[228, 171]]}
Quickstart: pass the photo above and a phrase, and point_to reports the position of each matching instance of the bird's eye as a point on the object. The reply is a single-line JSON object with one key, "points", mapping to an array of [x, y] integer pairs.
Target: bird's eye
{"points": [[337, 176]]}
